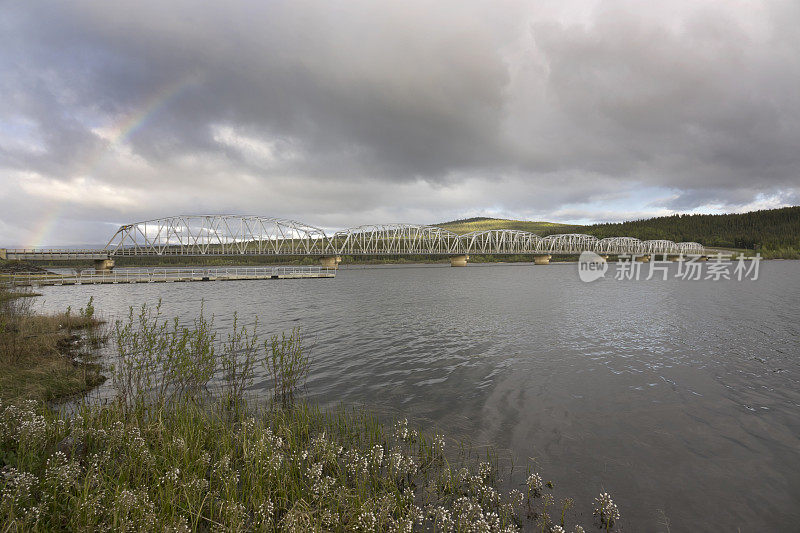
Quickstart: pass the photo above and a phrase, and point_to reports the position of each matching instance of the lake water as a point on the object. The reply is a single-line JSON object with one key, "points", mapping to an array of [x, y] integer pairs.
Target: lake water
{"points": [[680, 398]]}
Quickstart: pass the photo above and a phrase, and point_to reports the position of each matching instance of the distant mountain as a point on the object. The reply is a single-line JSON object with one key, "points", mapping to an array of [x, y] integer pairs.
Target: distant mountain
{"points": [[773, 232]]}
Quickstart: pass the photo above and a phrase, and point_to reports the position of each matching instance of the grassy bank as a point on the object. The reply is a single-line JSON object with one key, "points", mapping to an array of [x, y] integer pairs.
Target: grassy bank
{"points": [[6, 295], [788, 252], [46, 357], [184, 446], [11, 267]]}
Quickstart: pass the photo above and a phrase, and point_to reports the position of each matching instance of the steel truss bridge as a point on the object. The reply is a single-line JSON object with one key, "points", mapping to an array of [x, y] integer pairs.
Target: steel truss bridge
{"points": [[233, 235]]}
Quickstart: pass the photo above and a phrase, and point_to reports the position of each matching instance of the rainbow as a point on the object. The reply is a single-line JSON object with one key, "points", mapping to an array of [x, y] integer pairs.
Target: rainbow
{"points": [[120, 133], [130, 124]]}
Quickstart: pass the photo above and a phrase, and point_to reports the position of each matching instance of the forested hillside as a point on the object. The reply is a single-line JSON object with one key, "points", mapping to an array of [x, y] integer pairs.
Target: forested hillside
{"points": [[769, 229], [773, 232]]}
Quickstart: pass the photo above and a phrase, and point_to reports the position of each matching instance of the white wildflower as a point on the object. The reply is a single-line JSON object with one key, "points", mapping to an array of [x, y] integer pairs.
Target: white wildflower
{"points": [[330, 518], [605, 509], [18, 486], [377, 455], [367, 521], [484, 471], [534, 483], [516, 497], [172, 475], [62, 473], [315, 471], [264, 513]]}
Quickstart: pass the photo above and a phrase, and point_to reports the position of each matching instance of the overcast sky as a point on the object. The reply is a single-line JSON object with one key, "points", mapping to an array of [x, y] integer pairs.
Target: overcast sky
{"points": [[345, 113]]}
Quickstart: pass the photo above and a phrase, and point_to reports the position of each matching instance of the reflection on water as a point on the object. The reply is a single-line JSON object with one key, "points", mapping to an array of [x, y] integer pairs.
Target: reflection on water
{"points": [[679, 398]]}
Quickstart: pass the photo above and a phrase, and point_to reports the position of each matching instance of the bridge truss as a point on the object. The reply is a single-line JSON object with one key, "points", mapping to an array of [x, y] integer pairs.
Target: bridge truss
{"points": [[255, 235], [396, 239], [496, 241], [218, 235]]}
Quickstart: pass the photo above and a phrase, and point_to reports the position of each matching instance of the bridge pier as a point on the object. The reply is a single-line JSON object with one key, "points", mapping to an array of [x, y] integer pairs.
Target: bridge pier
{"points": [[542, 259], [330, 261], [459, 260], [103, 265], [643, 258]]}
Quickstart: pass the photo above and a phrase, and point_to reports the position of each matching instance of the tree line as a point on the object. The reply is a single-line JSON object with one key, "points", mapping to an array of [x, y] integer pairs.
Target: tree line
{"points": [[770, 229]]}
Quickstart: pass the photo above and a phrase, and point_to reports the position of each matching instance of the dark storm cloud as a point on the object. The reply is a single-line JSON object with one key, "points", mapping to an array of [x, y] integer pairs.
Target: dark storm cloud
{"points": [[335, 112], [413, 93]]}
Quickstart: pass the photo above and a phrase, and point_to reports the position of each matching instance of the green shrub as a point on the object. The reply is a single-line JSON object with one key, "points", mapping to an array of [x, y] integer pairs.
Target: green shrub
{"points": [[287, 364]]}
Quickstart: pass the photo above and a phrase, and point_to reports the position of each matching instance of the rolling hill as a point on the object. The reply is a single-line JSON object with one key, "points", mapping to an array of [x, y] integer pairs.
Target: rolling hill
{"points": [[482, 223]]}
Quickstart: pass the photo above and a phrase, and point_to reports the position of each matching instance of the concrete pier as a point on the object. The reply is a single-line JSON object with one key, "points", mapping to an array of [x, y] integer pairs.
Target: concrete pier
{"points": [[103, 265], [643, 258], [542, 259], [459, 260], [330, 261]]}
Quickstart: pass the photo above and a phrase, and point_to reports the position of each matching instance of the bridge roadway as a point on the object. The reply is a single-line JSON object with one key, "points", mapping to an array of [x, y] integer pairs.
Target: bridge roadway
{"points": [[233, 235]]}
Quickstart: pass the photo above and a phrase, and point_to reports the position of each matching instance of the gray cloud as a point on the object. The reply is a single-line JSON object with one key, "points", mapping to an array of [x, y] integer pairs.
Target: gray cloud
{"points": [[345, 113]]}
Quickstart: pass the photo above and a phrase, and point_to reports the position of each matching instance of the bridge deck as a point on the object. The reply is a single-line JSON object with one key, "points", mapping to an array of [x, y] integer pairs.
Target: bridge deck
{"points": [[165, 276]]}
